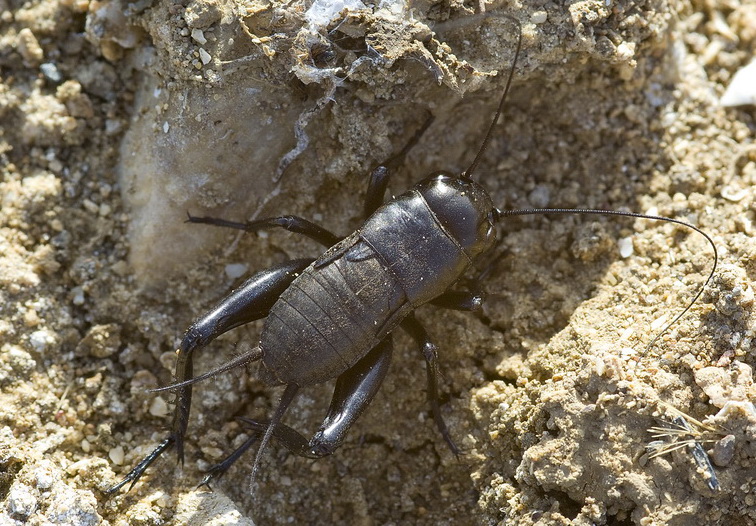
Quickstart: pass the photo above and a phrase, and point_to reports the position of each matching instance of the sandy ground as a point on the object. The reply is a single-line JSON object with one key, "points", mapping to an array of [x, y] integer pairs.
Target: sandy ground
{"points": [[119, 118]]}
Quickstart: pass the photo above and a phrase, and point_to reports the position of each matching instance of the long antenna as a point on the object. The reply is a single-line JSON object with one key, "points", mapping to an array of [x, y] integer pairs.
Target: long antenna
{"points": [[565, 211], [467, 174]]}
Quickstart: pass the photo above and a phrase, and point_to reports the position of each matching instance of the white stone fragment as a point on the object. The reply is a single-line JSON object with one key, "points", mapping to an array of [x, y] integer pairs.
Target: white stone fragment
{"points": [[204, 56], [659, 322], [40, 340], [199, 36], [236, 270], [625, 246], [117, 455], [626, 50], [539, 17], [77, 295], [540, 196], [158, 407], [742, 88]]}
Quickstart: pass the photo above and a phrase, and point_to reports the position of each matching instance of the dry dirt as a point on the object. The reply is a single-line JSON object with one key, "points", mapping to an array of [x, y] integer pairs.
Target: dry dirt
{"points": [[117, 119]]}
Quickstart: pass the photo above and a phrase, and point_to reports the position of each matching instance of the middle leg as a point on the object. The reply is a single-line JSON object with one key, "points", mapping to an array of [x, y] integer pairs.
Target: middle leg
{"points": [[430, 353], [452, 299]]}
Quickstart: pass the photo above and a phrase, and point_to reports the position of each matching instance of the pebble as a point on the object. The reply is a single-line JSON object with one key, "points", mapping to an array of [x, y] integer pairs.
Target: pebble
{"points": [[742, 88], [625, 246], [724, 450]]}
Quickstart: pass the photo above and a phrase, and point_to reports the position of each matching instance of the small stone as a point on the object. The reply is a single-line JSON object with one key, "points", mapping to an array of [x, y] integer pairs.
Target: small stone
{"points": [[733, 194], [204, 56], [539, 17], [29, 47], [742, 90], [21, 500], [50, 71], [40, 340], [236, 270], [100, 341], [202, 13], [159, 407], [199, 36], [724, 450], [723, 385], [625, 246], [117, 455], [77, 296]]}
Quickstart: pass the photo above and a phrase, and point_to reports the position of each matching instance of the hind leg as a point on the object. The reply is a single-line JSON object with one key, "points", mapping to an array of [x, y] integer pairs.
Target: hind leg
{"points": [[354, 391], [252, 301]]}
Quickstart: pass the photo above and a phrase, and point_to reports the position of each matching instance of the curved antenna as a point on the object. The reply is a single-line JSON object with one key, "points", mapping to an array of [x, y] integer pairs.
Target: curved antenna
{"points": [[467, 174], [587, 211]]}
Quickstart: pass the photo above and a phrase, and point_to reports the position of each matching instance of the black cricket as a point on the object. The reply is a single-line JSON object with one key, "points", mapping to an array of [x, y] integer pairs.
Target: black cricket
{"points": [[332, 317]]}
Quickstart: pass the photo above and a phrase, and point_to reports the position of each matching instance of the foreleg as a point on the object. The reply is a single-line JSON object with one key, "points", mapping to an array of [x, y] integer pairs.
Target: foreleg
{"points": [[379, 178]]}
